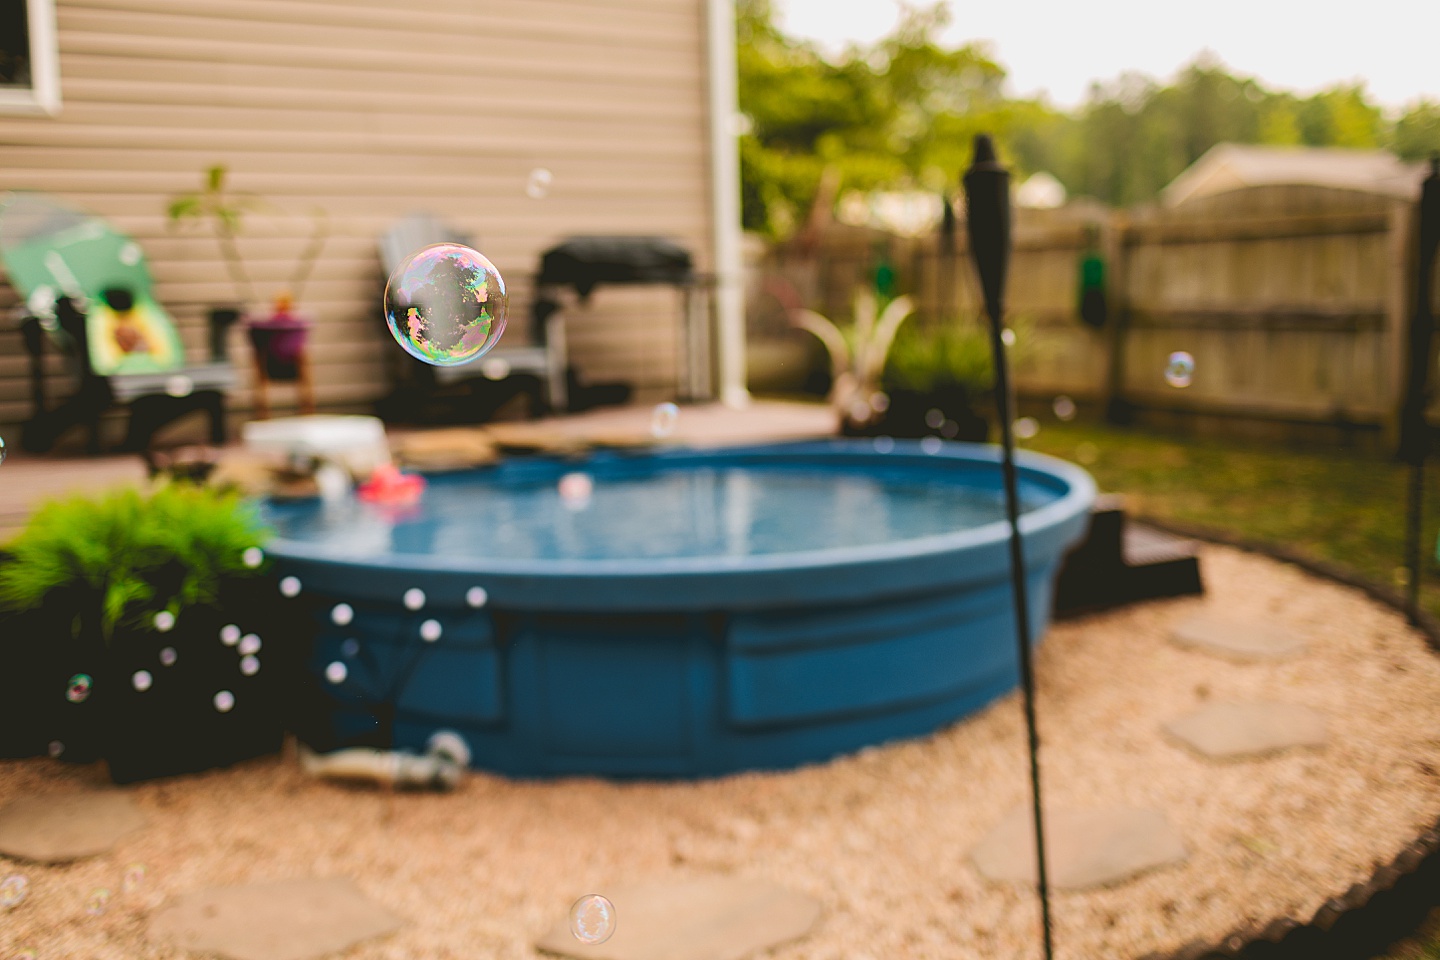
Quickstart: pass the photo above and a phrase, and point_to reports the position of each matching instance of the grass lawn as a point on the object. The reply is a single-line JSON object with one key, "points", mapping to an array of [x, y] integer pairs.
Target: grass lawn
{"points": [[1343, 507]]}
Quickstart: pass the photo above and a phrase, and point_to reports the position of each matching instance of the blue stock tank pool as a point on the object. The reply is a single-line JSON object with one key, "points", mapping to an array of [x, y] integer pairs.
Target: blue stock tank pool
{"points": [[674, 614]]}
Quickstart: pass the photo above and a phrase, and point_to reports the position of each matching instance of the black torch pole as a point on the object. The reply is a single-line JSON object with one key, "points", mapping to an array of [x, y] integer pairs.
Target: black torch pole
{"points": [[987, 204], [1414, 424]]}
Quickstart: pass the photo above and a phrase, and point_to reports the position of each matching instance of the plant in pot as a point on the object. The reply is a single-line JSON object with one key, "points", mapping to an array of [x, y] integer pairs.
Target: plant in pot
{"points": [[857, 356], [279, 338], [142, 620]]}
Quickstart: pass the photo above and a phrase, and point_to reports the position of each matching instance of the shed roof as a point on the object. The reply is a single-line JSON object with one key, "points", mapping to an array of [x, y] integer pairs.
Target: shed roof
{"points": [[1234, 166]]}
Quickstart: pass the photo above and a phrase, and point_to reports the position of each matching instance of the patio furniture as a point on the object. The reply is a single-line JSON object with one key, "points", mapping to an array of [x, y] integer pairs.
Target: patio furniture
{"points": [[542, 360], [87, 294]]}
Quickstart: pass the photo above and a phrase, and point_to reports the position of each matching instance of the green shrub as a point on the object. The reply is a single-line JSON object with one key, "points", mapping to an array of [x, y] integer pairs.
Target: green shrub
{"points": [[954, 354], [141, 553]]}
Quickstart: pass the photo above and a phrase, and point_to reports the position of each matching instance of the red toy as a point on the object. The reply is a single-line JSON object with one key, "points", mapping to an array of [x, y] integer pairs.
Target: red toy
{"points": [[387, 485]]}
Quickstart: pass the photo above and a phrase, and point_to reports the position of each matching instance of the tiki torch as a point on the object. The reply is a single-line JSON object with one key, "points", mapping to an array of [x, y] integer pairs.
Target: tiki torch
{"points": [[1414, 426]]}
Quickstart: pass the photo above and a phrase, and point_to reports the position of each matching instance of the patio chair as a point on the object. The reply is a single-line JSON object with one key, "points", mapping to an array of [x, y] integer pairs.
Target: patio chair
{"points": [[543, 359], [87, 294]]}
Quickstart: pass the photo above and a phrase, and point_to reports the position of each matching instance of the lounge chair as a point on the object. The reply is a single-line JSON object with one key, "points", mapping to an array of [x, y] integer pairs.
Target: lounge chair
{"points": [[87, 294]]}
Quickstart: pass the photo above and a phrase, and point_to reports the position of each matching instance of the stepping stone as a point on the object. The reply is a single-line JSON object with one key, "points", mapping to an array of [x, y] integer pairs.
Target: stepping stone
{"points": [[1237, 640], [58, 828], [710, 918], [287, 920], [1084, 848], [1228, 730]]}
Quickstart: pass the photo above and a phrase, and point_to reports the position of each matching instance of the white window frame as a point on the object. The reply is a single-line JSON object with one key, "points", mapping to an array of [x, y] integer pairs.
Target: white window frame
{"points": [[43, 96]]}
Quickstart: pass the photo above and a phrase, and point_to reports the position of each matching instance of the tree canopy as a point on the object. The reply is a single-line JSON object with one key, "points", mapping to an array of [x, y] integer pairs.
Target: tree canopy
{"points": [[901, 112]]}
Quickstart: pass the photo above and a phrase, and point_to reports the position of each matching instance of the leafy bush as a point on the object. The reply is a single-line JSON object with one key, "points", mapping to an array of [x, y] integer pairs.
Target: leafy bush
{"points": [[956, 354], [141, 553]]}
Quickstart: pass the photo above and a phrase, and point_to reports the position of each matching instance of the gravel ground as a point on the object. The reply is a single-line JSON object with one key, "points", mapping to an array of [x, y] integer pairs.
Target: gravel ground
{"points": [[880, 838]]}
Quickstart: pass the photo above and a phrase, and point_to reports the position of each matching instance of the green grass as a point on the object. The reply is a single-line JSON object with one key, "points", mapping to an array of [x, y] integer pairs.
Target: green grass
{"points": [[1346, 508]]}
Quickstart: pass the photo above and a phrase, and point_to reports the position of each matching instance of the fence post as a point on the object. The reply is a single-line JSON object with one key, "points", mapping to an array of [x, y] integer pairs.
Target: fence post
{"points": [[1398, 299], [1116, 244]]}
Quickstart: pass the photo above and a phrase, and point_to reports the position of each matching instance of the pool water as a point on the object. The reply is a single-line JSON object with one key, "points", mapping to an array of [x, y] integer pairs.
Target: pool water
{"points": [[620, 514]]}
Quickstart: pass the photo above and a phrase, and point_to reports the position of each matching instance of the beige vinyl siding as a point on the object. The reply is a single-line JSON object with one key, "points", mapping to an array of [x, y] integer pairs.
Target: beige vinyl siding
{"points": [[372, 109]]}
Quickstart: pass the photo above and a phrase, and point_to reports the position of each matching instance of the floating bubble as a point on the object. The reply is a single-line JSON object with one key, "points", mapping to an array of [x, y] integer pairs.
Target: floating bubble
{"points": [[55, 748], [884, 444], [336, 672], [931, 445], [179, 386], [933, 418], [1007, 337], [860, 411], [134, 878], [78, 689], [1064, 408], [141, 680], [350, 647], [445, 304], [663, 419], [576, 490], [495, 368], [97, 902], [1026, 427], [949, 429], [341, 614], [2, 449], [249, 644], [229, 634], [477, 597], [1087, 453], [164, 621], [224, 701], [290, 587], [537, 187], [252, 557], [250, 666], [27, 955], [13, 891], [430, 631], [1179, 369], [168, 656], [592, 919], [879, 402], [130, 253]]}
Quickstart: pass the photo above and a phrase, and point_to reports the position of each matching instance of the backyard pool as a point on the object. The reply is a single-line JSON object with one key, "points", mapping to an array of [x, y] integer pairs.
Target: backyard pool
{"points": [[675, 614]]}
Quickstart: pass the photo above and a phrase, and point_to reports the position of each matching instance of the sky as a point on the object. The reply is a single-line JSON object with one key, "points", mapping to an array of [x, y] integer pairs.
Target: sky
{"points": [[1060, 46]]}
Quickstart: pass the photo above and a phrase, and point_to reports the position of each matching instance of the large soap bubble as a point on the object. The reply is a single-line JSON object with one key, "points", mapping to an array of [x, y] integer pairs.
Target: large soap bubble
{"points": [[445, 304]]}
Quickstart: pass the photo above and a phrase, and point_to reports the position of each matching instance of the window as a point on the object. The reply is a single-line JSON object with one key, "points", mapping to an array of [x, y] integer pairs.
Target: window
{"points": [[29, 62]]}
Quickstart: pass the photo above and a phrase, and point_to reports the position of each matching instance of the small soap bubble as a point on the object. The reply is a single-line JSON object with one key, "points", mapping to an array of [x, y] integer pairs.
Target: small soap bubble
{"points": [[495, 368], [1179, 369], [576, 490], [13, 891], [884, 444], [860, 411], [477, 597], [414, 598], [2, 449], [27, 955], [1026, 427], [350, 647], [224, 701], [592, 919], [336, 672], [1087, 453], [97, 902], [1064, 408], [934, 417], [130, 253], [341, 614], [164, 621], [179, 386], [250, 665], [1007, 337], [249, 644], [663, 419], [134, 878], [141, 680], [290, 587], [879, 402], [252, 557], [55, 748], [78, 689], [168, 656], [445, 304], [537, 187], [949, 429], [229, 634], [430, 631], [931, 445]]}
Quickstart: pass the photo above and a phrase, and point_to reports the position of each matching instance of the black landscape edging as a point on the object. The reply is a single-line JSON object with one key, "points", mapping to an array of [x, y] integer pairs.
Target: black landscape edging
{"points": [[1369, 917]]}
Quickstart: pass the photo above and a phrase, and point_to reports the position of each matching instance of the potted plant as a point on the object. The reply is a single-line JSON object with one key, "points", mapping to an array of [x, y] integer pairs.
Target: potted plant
{"points": [[279, 337], [857, 356], [144, 617]]}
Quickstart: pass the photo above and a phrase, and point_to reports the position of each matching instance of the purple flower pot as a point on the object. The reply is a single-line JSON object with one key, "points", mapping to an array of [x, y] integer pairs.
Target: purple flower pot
{"points": [[279, 342]]}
